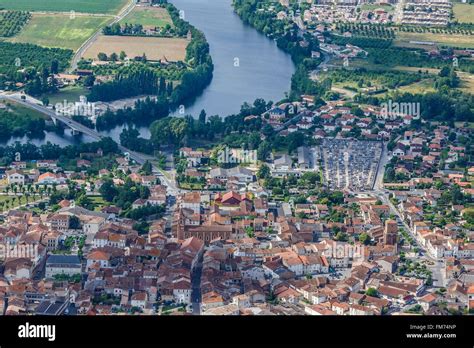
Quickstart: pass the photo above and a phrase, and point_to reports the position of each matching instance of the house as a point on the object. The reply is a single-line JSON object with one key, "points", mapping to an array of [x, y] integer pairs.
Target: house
{"points": [[182, 291], [139, 299], [276, 114], [98, 257], [428, 301], [399, 150], [49, 178], [92, 224], [241, 174], [59, 222], [318, 309], [211, 300], [192, 200], [18, 268], [230, 309], [15, 177], [283, 163], [356, 309], [62, 264], [46, 164]]}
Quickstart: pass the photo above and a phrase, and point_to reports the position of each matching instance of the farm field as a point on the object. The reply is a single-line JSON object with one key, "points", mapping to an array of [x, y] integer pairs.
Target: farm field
{"points": [[454, 40], [59, 30], [148, 17], [463, 13], [174, 49], [86, 6]]}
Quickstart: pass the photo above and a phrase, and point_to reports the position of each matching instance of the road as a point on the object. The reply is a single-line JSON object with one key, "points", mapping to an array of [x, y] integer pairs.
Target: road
{"points": [[196, 287], [433, 265], [91, 40]]}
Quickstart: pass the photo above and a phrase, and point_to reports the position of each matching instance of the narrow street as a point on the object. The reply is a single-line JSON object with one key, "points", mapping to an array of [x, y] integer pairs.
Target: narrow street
{"points": [[196, 287], [433, 265]]}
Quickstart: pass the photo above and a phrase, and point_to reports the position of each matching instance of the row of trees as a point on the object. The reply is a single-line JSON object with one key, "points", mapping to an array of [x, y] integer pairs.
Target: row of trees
{"points": [[136, 80], [11, 22], [370, 30], [49, 151], [123, 29], [365, 42]]}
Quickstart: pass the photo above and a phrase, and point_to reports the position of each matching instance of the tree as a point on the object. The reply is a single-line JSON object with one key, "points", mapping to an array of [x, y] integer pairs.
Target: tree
{"points": [[263, 172], [202, 117], [84, 201], [89, 80], [364, 238], [263, 150], [147, 168], [372, 292], [74, 222], [249, 231], [108, 190], [169, 130], [162, 86], [54, 66], [102, 56], [341, 237]]}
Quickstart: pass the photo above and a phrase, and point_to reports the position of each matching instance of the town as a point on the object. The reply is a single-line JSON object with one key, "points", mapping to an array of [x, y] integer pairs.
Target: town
{"points": [[350, 195], [327, 230]]}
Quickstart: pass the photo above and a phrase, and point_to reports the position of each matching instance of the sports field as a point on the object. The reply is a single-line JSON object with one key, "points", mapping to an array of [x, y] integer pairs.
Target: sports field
{"points": [[60, 30], [148, 17], [174, 49], [87, 6]]}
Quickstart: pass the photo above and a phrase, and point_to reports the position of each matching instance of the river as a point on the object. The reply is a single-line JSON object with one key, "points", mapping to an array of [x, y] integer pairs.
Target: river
{"points": [[247, 65]]}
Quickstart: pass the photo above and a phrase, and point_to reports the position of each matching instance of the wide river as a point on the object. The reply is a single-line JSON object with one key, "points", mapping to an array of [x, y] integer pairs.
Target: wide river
{"points": [[247, 65]]}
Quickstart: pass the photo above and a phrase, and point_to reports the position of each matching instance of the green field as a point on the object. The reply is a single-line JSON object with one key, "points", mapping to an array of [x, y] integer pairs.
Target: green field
{"points": [[69, 93], [454, 40], [423, 86], [20, 110], [60, 30], [371, 7], [463, 13], [87, 6], [148, 17]]}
